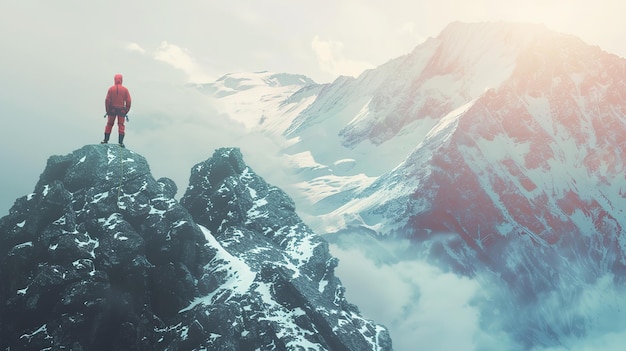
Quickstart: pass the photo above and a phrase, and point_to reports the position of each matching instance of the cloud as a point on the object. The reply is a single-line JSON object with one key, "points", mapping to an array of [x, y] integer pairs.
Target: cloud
{"points": [[135, 48], [603, 303], [422, 304], [181, 59], [419, 303], [330, 58]]}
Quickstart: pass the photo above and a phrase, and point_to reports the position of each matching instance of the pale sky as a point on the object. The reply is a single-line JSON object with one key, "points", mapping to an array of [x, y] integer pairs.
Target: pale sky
{"points": [[59, 57]]}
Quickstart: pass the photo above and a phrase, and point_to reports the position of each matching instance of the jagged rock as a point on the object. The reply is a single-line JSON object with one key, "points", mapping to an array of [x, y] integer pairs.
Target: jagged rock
{"points": [[102, 257], [169, 187], [256, 225]]}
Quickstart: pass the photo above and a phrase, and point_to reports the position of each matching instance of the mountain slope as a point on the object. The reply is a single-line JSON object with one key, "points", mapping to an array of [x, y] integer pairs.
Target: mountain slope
{"points": [[529, 177], [549, 137], [101, 256], [497, 149]]}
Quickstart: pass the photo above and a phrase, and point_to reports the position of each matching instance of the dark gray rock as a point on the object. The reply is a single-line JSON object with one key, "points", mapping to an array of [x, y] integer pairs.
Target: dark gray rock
{"points": [[78, 257], [290, 268], [102, 257]]}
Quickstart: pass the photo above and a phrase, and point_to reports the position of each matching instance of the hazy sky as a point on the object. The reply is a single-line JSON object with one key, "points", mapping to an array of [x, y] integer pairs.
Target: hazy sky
{"points": [[59, 57]]}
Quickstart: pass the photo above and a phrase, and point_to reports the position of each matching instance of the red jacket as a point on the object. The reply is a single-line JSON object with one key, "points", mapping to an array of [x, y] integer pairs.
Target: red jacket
{"points": [[117, 98]]}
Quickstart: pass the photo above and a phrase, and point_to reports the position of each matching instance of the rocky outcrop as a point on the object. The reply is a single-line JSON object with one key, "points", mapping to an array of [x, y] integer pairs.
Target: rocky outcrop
{"points": [[257, 223], [102, 257]]}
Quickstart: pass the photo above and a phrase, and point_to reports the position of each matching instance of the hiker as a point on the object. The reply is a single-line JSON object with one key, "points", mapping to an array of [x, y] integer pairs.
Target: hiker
{"points": [[117, 104]]}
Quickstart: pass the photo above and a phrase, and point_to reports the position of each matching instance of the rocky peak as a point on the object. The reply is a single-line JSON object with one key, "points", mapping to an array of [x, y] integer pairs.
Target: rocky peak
{"points": [[256, 223], [101, 256]]}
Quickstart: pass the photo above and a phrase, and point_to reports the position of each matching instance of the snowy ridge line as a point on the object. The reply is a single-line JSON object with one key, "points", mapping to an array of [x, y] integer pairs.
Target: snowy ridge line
{"points": [[239, 276]]}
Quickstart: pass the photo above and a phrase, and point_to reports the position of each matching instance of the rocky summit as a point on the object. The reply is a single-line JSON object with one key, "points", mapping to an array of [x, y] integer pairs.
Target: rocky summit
{"points": [[101, 256]]}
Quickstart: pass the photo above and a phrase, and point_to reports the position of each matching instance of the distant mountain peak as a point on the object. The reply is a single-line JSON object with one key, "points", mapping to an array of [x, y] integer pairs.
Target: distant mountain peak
{"points": [[234, 82]]}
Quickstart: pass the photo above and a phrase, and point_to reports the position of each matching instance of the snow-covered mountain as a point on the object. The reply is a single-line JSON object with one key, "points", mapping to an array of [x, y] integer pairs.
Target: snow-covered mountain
{"points": [[241, 95], [497, 149], [102, 257]]}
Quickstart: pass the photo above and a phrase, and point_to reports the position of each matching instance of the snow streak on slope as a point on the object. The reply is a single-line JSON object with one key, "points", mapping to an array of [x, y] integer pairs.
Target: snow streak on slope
{"points": [[390, 196], [241, 279]]}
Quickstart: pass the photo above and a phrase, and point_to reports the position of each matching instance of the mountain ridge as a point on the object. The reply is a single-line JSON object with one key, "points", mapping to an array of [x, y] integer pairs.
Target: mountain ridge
{"points": [[101, 256]]}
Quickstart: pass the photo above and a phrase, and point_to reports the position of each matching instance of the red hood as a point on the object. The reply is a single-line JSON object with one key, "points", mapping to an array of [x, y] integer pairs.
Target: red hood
{"points": [[118, 79]]}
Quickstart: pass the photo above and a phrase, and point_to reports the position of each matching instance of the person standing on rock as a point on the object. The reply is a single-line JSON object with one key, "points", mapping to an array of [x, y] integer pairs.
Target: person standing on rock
{"points": [[117, 104]]}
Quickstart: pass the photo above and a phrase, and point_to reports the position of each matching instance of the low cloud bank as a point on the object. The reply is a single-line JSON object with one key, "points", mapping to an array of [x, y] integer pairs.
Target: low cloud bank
{"points": [[427, 308]]}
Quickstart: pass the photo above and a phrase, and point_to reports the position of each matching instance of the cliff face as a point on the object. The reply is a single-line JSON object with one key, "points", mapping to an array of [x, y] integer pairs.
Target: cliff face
{"points": [[101, 256]]}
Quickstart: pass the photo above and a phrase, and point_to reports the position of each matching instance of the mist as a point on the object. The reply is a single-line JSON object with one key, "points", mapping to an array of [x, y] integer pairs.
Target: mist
{"points": [[428, 307]]}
